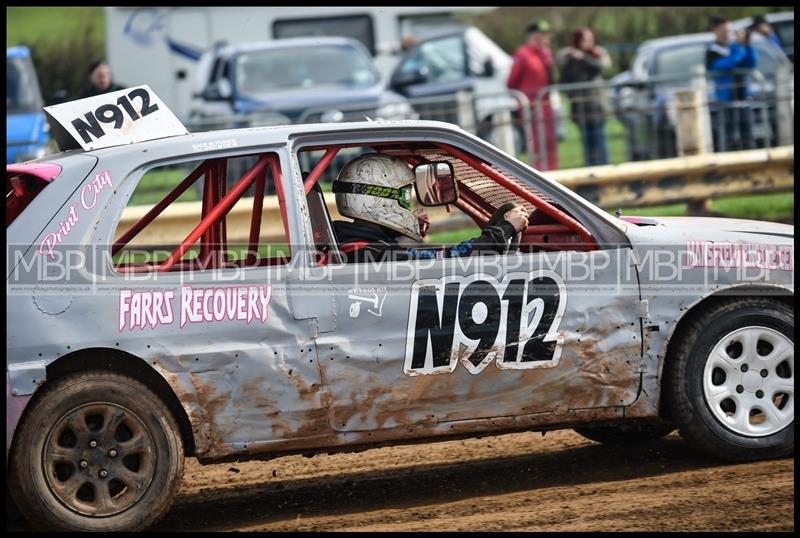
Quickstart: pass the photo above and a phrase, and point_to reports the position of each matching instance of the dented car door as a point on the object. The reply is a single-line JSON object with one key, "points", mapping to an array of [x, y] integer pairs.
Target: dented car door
{"points": [[437, 341]]}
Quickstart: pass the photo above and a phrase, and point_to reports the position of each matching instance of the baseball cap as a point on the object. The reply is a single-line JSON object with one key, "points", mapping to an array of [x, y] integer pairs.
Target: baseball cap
{"points": [[538, 26]]}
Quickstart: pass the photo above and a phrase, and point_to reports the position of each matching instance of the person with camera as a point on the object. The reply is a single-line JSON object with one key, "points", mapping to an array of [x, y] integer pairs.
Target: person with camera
{"points": [[726, 62]]}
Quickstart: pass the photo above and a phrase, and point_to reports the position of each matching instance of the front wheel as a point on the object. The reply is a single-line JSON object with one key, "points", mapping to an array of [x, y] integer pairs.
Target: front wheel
{"points": [[730, 381], [96, 451]]}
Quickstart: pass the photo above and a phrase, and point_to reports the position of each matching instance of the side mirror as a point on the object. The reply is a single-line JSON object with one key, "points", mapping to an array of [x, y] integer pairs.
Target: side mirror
{"points": [[417, 75], [436, 184], [488, 68]]}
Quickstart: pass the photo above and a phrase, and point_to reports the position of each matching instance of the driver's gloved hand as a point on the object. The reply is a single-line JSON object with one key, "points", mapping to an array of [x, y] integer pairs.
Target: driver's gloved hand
{"points": [[499, 215], [499, 222]]}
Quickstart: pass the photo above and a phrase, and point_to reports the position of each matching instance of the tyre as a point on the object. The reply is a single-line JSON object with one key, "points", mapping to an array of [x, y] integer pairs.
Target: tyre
{"points": [[626, 435], [96, 451], [729, 384]]}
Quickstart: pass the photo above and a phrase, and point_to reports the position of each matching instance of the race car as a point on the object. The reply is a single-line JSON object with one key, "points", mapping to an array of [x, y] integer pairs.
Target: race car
{"points": [[253, 338]]}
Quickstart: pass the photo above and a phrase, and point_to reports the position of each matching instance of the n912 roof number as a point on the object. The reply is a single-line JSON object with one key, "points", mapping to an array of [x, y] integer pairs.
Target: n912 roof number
{"points": [[113, 114]]}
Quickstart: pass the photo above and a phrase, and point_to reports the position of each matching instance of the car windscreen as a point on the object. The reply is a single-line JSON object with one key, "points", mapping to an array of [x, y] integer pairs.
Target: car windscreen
{"points": [[22, 88], [282, 69]]}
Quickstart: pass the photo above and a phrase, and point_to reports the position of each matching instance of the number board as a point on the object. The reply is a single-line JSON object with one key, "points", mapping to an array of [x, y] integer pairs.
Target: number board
{"points": [[112, 119]]}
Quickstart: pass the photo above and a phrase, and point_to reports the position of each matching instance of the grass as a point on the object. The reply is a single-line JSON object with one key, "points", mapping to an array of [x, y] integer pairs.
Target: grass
{"points": [[25, 25], [771, 207], [157, 183], [779, 206], [570, 150]]}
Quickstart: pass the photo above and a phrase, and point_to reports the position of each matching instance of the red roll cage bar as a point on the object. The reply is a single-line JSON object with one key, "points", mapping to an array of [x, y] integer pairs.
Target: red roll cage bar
{"points": [[215, 206]]}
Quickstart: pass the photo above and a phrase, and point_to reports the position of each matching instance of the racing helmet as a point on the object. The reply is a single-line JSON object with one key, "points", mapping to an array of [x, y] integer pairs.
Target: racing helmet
{"points": [[377, 188]]}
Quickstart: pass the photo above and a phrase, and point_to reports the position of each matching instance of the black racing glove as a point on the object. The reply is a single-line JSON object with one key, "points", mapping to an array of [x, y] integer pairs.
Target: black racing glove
{"points": [[498, 220]]}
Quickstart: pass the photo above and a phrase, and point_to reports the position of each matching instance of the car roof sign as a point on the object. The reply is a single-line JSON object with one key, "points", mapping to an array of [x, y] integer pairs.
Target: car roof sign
{"points": [[112, 119]]}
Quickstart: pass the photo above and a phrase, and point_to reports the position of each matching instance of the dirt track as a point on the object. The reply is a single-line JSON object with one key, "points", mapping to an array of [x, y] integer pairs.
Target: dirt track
{"points": [[512, 482]]}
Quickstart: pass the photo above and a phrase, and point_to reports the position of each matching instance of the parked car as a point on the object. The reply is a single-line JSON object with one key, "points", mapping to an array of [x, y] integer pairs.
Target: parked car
{"points": [[27, 132], [293, 77], [464, 60], [171, 37], [293, 80], [127, 359], [644, 101], [783, 24]]}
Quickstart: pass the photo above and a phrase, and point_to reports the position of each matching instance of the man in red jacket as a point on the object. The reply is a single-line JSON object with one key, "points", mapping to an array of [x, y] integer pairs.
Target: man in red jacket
{"points": [[533, 70]]}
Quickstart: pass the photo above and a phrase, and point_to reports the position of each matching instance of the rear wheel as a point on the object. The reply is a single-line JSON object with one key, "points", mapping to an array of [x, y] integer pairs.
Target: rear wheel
{"points": [[730, 381], [635, 434], [96, 451]]}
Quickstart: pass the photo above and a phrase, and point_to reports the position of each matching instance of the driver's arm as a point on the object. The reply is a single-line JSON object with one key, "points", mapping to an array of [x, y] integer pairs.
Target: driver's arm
{"points": [[494, 238]]}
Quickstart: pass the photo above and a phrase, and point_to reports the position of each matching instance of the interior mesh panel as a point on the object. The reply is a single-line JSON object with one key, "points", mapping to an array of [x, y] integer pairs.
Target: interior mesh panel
{"points": [[489, 191]]}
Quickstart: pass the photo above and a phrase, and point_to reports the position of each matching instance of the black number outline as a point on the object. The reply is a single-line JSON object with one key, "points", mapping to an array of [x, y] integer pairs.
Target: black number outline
{"points": [[551, 335], [463, 347], [118, 119], [144, 95]]}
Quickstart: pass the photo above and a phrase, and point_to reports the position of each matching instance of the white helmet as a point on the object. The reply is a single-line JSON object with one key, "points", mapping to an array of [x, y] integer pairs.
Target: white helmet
{"points": [[377, 188]]}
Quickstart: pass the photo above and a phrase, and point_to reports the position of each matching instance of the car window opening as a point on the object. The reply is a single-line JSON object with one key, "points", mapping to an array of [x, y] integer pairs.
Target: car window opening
{"points": [[482, 188], [226, 183]]}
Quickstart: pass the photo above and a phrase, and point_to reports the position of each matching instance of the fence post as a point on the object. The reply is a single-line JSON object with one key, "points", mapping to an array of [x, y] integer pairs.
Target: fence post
{"points": [[525, 122], [540, 145], [692, 126], [784, 106], [503, 131], [465, 111], [700, 82]]}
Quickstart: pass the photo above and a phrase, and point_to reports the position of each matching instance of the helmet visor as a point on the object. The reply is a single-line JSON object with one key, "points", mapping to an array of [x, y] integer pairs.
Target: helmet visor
{"points": [[401, 194]]}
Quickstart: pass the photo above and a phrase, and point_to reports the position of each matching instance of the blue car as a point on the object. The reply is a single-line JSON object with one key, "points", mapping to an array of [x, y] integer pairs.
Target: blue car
{"points": [[27, 132]]}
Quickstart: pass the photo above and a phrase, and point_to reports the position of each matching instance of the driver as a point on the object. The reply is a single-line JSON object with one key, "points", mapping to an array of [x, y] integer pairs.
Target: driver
{"points": [[375, 191]]}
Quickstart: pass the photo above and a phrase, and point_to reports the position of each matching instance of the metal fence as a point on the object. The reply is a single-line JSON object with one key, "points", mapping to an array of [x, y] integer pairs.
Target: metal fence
{"points": [[503, 119], [576, 125], [665, 117]]}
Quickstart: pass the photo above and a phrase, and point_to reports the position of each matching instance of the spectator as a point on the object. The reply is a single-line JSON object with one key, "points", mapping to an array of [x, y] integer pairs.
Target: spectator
{"points": [[583, 62], [731, 113], [761, 26], [533, 70], [100, 81]]}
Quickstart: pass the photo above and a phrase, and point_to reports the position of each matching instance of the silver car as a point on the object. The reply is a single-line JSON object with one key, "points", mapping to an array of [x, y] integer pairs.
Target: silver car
{"points": [[251, 338]]}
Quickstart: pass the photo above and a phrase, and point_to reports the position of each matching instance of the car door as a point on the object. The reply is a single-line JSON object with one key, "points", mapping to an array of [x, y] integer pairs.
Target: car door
{"points": [[230, 346], [425, 342]]}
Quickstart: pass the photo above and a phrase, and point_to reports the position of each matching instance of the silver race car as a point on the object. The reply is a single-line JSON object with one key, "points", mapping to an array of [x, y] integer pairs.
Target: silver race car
{"points": [[250, 332]]}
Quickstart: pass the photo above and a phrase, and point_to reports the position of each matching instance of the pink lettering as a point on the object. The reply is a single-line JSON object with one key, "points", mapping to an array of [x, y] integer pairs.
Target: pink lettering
{"points": [[90, 190], [264, 295], [124, 307], [139, 309], [240, 303]]}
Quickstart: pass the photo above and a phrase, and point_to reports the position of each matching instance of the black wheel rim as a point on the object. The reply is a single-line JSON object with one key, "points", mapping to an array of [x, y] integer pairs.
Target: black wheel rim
{"points": [[99, 459]]}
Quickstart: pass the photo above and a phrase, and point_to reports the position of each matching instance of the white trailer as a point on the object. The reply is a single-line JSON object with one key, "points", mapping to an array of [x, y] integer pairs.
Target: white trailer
{"points": [[159, 46]]}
